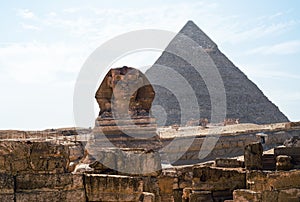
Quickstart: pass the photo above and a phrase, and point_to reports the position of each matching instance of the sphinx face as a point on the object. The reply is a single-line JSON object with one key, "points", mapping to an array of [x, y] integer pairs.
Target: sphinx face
{"points": [[125, 92]]}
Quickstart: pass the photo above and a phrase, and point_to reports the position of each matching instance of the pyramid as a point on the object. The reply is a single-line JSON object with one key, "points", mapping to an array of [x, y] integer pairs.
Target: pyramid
{"points": [[244, 100]]}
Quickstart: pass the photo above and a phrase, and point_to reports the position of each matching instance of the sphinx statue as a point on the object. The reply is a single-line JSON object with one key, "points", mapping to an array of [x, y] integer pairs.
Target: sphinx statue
{"points": [[125, 93], [125, 97]]}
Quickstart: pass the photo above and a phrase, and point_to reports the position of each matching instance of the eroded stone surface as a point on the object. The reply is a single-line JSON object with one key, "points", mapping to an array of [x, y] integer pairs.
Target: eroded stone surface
{"points": [[229, 163], [245, 195], [113, 188], [284, 162], [201, 196], [40, 182], [7, 184], [203, 182], [51, 196], [124, 92], [209, 178], [27, 184], [262, 180], [130, 161], [253, 156], [293, 152], [33, 157]]}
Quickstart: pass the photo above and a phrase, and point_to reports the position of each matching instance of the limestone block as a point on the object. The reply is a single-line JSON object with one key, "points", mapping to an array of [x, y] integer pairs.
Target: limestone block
{"points": [[245, 195], [42, 182], [253, 156], [74, 195], [107, 159], [275, 180], [17, 149], [7, 197], [185, 176], [38, 196], [269, 195], [2, 164], [197, 196], [269, 162], [150, 163], [292, 142], [291, 195], [222, 195], [76, 152], [177, 194], [228, 163], [129, 161], [52, 196], [46, 157], [165, 184], [284, 162], [30, 157], [113, 187], [150, 185], [294, 152], [6, 184], [217, 179], [14, 156]]}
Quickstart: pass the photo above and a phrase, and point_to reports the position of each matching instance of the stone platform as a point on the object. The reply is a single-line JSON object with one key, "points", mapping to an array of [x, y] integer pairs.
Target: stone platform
{"points": [[138, 132], [137, 126]]}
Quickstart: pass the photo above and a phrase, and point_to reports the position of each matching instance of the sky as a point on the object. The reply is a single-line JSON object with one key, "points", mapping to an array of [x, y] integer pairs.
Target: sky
{"points": [[43, 45]]}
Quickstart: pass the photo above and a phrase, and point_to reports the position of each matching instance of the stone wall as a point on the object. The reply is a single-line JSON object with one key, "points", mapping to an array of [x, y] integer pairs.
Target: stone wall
{"points": [[40, 171], [218, 179], [262, 180], [33, 157], [270, 187], [35, 170], [49, 187], [113, 187], [228, 145], [45, 177]]}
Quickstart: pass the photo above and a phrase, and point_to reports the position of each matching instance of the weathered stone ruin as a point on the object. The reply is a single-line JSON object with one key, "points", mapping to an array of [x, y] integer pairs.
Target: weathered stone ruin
{"points": [[49, 167], [121, 158], [253, 156]]}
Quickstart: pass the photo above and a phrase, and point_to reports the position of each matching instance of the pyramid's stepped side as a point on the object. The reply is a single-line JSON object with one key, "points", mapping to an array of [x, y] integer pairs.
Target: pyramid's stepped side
{"points": [[245, 101]]}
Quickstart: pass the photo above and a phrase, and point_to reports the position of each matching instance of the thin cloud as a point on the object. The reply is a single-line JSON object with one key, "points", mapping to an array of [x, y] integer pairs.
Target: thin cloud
{"points": [[30, 27], [72, 10], [104, 22], [285, 48], [295, 96], [25, 13], [276, 75], [52, 14], [238, 34]]}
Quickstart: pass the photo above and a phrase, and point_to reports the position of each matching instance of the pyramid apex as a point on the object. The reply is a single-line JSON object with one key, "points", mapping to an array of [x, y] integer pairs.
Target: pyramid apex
{"points": [[191, 30], [191, 22]]}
